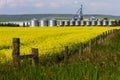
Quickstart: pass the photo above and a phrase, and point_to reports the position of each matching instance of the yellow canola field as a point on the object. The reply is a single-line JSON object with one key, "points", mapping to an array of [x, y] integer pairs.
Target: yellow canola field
{"points": [[49, 40]]}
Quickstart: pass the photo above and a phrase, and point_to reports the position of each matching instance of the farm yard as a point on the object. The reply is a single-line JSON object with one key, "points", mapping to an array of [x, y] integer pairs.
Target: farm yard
{"points": [[97, 65], [50, 40]]}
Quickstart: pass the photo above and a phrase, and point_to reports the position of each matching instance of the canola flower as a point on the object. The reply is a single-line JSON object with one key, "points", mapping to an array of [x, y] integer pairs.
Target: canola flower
{"points": [[49, 40]]}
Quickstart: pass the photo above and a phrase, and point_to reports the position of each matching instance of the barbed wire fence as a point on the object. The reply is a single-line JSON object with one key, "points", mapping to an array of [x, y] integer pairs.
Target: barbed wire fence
{"points": [[58, 53]]}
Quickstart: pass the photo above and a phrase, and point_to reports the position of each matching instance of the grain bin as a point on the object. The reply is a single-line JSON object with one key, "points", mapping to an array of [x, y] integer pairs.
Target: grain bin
{"points": [[67, 23], [82, 23], [34, 22], [52, 22], [61, 23], [72, 22], [88, 23], [93, 22], [105, 22], [110, 22], [77, 23], [43, 22], [99, 23]]}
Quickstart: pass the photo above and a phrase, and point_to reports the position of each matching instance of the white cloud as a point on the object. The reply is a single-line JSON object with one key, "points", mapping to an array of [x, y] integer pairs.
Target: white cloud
{"points": [[76, 2], [99, 5], [15, 3], [55, 5], [39, 5], [2, 3], [60, 3], [64, 6]]}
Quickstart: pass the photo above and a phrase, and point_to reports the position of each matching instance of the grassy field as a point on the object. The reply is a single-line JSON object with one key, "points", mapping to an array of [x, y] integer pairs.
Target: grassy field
{"points": [[49, 40], [101, 64]]}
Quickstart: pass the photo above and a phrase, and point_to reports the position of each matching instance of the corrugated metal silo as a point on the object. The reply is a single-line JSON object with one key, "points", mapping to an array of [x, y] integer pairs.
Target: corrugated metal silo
{"points": [[43, 22], [72, 22], [61, 23], [93, 23], [105, 22], [67, 23], [34, 22], [77, 23], [99, 23], [82, 23], [110, 22], [88, 23], [52, 22]]}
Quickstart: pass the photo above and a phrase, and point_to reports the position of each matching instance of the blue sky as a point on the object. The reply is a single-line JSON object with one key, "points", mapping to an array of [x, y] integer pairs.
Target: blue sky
{"points": [[111, 7]]}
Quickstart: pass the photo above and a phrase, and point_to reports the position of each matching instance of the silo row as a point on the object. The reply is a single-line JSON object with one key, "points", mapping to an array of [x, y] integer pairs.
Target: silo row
{"points": [[43, 22], [54, 22], [86, 23]]}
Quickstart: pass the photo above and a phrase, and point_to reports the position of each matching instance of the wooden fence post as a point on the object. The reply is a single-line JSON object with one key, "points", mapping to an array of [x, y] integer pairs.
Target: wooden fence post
{"points": [[106, 35], [66, 53], [108, 32], [103, 36], [35, 59], [16, 51], [90, 45], [96, 40], [81, 49]]}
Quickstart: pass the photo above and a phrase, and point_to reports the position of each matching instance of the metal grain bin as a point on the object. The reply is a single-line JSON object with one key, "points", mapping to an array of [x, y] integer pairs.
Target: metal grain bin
{"points": [[61, 23], [34, 22], [94, 23], [72, 22], [88, 23], [52, 22], [67, 23], [82, 23], [104, 22], [99, 23], [43, 22], [110, 22], [77, 23]]}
